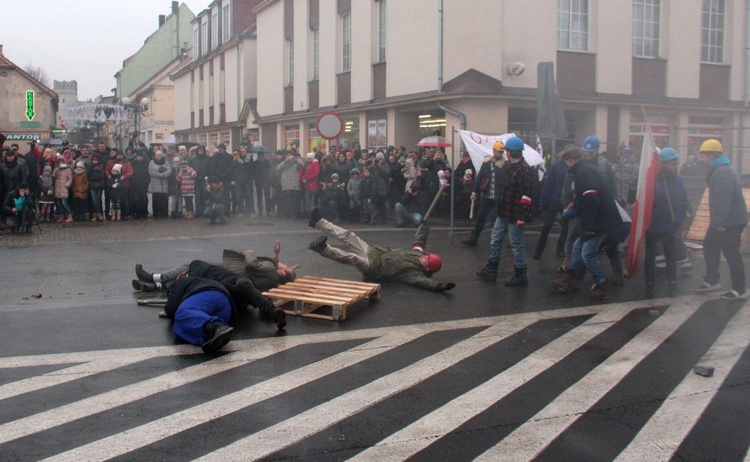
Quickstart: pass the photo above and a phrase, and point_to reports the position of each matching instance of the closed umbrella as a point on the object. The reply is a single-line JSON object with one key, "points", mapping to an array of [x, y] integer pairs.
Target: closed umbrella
{"points": [[435, 142]]}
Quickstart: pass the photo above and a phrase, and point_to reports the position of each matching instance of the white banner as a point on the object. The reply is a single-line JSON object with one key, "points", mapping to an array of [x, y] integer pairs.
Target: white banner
{"points": [[480, 147]]}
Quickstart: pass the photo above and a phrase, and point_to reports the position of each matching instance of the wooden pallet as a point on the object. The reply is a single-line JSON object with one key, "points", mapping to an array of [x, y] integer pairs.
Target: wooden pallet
{"points": [[702, 220], [307, 294]]}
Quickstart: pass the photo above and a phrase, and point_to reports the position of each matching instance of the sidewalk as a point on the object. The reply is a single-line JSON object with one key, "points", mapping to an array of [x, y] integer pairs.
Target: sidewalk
{"points": [[145, 230]]}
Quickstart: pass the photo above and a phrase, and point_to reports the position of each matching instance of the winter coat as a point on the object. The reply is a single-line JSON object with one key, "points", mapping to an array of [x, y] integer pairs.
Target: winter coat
{"points": [[726, 204], [400, 265], [290, 174], [380, 174], [187, 181], [670, 203], [220, 166], [514, 185], [117, 187], [553, 184], [262, 172], [487, 170], [96, 176], [411, 172], [159, 174], [11, 175], [80, 185], [185, 287], [415, 203], [63, 180], [593, 199], [342, 169], [354, 190], [310, 176], [140, 179]]}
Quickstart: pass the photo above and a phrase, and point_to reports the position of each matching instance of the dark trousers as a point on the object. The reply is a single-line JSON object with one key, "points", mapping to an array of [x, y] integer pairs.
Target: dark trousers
{"points": [[200, 195], [263, 191], [289, 205], [727, 243], [140, 201], [485, 208], [160, 204], [671, 243], [553, 210]]}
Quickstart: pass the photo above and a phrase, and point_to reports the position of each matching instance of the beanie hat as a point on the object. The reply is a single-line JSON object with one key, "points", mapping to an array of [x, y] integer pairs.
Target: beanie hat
{"points": [[380, 155], [334, 176], [117, 167], [81, 165], [667, 154], [47, 168], [159, 155], [354, 172]]}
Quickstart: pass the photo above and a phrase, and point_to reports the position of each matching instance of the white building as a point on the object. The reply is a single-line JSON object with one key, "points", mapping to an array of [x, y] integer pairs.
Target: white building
{"points": [[377, 64], [217, 91]]}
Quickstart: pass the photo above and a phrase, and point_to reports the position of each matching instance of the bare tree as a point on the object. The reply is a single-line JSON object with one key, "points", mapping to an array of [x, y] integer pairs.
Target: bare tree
{"points": [[38, 72]]}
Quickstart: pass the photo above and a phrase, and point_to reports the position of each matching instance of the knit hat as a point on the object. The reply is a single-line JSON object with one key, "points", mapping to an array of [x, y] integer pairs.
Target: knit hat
{"points": [[159, 155], [117, 167], [334, 176], [80, 165], [354, 172], [47, 168], [468, 174], [380, 155]]}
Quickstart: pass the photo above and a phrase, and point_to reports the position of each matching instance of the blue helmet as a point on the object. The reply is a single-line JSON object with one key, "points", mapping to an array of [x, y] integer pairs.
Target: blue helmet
{"points": [[591, 144], [514, 144], [667, 154]]}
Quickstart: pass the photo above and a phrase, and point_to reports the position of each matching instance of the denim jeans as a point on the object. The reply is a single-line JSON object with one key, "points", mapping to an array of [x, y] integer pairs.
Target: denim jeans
{"points": [[96, 199], [585, 253], [486, 206], [404, 217], [215, 211], [515, 234]]}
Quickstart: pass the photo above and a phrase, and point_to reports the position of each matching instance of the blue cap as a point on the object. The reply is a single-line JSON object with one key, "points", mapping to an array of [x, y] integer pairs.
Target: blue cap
{"points": [[514, 144], [667, 154], [591, 144]]}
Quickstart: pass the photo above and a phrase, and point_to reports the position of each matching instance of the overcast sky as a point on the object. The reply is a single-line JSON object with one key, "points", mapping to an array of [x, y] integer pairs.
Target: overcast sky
{"points": [[83, 40]]}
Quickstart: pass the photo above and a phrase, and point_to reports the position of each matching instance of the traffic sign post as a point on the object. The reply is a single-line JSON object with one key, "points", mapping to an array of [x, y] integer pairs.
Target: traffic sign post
{"points": [[330, 125]]}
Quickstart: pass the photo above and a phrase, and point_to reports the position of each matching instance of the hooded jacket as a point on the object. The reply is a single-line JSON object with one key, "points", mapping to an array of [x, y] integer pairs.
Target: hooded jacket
{"points": [[593, 199], [726, 203]]}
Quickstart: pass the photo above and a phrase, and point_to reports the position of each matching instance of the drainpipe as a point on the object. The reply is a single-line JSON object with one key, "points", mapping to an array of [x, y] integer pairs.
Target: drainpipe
{"points": [[445, 108], [746, 93]]}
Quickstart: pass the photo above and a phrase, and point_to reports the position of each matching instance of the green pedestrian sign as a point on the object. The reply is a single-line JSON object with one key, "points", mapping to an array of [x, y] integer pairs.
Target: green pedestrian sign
{"points": [[30, 105]]}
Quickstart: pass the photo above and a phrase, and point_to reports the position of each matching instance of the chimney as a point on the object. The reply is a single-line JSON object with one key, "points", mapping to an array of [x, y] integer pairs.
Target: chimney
{"points": [[1, 50], [162, 20], [175, 8]]}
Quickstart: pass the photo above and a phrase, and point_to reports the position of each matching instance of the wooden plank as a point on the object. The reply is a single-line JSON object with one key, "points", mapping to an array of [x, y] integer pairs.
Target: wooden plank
{"points": [[341, 281], [309, 299], [300, 293], [322, 289]]}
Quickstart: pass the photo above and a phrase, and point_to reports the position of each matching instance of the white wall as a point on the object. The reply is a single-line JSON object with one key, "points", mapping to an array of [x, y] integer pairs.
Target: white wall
{"points": [[683, 18], [182, 102], [330, 63], [271, 58]]}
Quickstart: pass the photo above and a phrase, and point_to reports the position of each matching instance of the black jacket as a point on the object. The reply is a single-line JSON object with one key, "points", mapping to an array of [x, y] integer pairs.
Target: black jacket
{"points": [[593, 199], [184, 288]]}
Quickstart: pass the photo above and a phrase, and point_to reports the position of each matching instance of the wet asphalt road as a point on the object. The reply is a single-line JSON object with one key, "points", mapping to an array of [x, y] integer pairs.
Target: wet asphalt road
{"points": [[87, 308]]}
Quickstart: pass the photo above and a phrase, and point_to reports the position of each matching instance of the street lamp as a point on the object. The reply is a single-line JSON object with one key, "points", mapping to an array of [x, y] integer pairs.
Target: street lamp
{"points": [[136, 108]]}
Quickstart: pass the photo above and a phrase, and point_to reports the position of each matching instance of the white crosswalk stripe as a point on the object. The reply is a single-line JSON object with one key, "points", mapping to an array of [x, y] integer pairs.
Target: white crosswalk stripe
{"points": [[658, 439]]}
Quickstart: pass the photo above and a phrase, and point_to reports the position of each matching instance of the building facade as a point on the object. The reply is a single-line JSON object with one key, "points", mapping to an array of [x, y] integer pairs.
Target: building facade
{"points": [[28, 108], [67, 92], [397, 71], [218, 88]]}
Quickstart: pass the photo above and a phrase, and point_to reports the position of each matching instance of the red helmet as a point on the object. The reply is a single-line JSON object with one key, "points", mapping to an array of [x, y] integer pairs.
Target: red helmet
{"points": [[434, 263]]}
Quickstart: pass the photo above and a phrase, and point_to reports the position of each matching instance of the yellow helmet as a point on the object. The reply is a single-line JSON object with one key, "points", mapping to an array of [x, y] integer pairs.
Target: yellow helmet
{"points": [[711, 146], [498, 146]]}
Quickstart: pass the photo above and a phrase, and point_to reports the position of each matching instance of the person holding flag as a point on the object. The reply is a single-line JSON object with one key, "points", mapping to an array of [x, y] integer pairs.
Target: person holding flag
{"points": [[667, 217], [728, 213]]}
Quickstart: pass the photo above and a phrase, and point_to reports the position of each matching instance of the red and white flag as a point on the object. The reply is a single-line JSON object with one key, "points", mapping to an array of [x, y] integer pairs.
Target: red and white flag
{"points": [[644, 200], [62, 123]]}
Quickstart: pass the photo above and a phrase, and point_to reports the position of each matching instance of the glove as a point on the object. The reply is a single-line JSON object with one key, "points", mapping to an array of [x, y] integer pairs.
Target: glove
{"points": [[446, 286]]}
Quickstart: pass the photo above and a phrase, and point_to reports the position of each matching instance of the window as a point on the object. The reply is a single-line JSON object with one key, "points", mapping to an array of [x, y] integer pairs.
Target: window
{"points": [[215, 28], [646, 28], [573, 25], [204, 35], [712, 31], [316, 53], [346, 42], [226, 29], [290, 46], [381, 30], [196, 42]]}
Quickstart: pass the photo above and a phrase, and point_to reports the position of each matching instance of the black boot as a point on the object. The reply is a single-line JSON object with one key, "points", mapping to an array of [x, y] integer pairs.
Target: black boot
{"points": [[471, 241], [672, 288], [319, 244], [649, 292], [315, 217], [489, 272], [218, 335], [518, 279], [142, 274]]}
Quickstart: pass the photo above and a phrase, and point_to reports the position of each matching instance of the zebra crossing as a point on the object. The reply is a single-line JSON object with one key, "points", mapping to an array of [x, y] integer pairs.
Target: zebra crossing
{"points": [[598, 382]]}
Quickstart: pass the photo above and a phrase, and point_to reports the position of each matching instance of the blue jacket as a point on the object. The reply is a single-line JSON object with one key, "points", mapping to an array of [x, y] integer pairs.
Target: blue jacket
{"points": [[553, 184], [725, 200], [668, 190]]}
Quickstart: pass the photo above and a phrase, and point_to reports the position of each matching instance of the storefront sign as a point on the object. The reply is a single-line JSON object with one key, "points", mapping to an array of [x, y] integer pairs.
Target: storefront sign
{"points": [[58, 132], [30, 105], [30, 124], [23, 136]]}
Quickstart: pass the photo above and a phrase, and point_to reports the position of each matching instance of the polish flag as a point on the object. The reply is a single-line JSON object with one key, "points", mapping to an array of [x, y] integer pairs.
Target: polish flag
{"points": [[62, 123], [644, 200]]}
